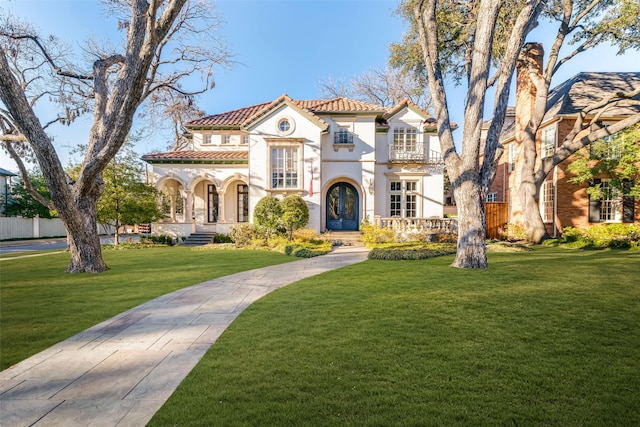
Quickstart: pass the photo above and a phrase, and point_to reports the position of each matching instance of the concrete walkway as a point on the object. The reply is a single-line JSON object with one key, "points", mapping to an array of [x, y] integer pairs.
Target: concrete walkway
{"points": [[120, 372]]}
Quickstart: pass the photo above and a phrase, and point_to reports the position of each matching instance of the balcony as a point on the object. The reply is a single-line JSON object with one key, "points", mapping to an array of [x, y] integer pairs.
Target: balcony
{"points": [[343, 138], [417, 153]]}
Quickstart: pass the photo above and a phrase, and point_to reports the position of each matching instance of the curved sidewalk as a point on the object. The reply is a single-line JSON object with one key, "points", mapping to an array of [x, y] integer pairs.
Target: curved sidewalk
{"points": [[121, 371]]}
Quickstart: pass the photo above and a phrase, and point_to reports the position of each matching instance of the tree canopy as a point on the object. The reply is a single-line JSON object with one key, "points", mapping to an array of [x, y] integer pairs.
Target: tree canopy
{"points": [[164, 42]]}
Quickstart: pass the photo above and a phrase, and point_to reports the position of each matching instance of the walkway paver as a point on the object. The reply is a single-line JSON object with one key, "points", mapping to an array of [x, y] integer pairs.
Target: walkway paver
{"points": [[121, 371]]}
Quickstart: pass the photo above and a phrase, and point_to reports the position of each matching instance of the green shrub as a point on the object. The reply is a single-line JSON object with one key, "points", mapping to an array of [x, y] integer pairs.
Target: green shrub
{"points": [[513, 233], [267, 216], [615, 236], [243, 234], [397, 254], [295, 213], [161, 239], [372, 234], [222, 238], [308, 235], [307, 250]]}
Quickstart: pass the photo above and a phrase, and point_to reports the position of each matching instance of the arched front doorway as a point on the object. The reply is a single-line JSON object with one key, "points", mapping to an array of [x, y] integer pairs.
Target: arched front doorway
{"points": [[342, 207]]}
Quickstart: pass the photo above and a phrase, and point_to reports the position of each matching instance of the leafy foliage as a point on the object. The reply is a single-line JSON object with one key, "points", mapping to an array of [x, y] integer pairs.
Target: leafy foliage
{"points": [[267, 216], [424, 251], [616, 159], [372, 233], [243, 234], [295, 213], [616, 236], [22, 203]]}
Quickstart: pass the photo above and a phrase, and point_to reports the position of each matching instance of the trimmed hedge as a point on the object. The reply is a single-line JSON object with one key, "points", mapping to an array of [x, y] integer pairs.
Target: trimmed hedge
{"points": [[397, 254]]}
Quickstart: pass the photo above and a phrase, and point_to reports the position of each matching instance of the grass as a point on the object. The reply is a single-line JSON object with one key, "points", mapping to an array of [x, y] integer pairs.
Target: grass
{"points": [[547, 337], [41, 305]]}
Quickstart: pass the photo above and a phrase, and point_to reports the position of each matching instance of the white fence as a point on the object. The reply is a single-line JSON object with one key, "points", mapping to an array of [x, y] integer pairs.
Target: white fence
{"points": [[28, 228], [33, 228]]}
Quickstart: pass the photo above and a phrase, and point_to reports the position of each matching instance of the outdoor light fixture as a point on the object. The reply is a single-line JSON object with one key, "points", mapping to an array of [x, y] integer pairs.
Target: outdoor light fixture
{"points": [[371, 187]]}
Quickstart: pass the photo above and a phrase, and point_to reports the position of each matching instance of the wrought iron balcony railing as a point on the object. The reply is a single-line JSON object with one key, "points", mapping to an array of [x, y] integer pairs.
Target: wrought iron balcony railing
{"points": [[343, 137], [415, 154]]}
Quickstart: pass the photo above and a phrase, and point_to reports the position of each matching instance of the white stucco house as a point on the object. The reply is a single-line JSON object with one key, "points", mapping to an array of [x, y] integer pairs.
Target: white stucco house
{"points": [[347, 159]]}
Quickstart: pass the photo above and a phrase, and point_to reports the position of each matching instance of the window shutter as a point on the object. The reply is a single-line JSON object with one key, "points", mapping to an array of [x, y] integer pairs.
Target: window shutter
{"points": [[627, 202], [594, 204]]}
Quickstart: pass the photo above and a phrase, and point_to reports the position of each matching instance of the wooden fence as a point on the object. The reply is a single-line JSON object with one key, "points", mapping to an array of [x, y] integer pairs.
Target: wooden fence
{"points": [[497, 218]]}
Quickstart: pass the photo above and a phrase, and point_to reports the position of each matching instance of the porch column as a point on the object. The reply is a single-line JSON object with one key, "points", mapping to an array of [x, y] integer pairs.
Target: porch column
{"points": [[222, 212], [188, 209], [173, 207]]}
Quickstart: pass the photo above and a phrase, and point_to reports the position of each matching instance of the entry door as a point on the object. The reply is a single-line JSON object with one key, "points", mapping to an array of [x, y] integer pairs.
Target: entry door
{"points": [[342, 207]]}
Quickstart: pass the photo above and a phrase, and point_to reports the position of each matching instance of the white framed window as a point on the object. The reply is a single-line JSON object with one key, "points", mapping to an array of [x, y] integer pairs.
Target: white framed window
{"points": [[608, 148], [245, 139], [547, 196], [492, 197], [548, 145], [243, 203], [403, 199], [226, 139], [285, 167], [512, 156], [610, 203], [405, 139], [206, 139], [285, 126]]}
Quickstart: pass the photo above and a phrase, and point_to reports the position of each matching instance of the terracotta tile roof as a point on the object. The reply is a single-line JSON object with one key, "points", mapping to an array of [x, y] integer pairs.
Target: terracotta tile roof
{"points": [[196, 156], [340, 105], [237, 118], [233, 118]]}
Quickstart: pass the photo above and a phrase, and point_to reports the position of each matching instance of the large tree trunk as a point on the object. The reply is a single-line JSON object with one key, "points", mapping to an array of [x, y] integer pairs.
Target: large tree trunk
{"points": [[84, 243], [533, 223], [472, 249]]}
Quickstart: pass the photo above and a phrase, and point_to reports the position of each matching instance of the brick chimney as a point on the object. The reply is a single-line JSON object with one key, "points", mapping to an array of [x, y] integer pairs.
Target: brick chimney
{"points": [[530, 58]]}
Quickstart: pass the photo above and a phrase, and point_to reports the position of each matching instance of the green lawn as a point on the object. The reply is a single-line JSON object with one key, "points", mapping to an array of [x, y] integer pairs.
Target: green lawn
{"points": [[41, 305], [549, 337]]}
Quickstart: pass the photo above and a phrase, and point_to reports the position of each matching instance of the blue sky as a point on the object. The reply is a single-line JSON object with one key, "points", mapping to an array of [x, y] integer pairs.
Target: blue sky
{"points": [[279, 46]]}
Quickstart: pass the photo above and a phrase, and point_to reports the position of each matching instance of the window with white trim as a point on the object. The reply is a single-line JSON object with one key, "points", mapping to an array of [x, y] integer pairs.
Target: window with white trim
{"points": [[547, 193], [492, 197], [226, 139], [610, 202], [285, 167], [245, 139], [405, 139], [206, 139], [512, 156], [548, 145], [243, 203], [403, 199]]}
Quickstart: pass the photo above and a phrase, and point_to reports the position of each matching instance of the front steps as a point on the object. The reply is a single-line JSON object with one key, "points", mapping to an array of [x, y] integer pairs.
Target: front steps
{"points": [[199, 239], [345, 238]]}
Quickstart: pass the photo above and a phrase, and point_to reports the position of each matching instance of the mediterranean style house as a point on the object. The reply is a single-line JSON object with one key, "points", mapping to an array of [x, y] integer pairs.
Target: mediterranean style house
{"points": [[563, 203], [348, 160]]}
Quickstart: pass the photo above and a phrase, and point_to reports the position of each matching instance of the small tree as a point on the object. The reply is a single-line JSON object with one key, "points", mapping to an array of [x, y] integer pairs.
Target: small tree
{"points": [[616, 158], [295, 213], [267, 216], [126, 199], [23, 203]]}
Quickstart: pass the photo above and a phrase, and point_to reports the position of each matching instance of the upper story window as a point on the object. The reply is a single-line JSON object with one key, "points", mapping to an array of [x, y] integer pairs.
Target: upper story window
{"points": [[405, 138], [342, 136], [512, 156], [548, 145], [285, 126], [206, 139], [245, 139], [607, 148], [285, 167], [226, 139]]}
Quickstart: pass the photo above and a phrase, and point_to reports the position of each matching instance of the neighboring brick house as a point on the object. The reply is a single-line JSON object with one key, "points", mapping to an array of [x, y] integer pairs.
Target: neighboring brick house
{"points": [[563, 203], [349, 160]]}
